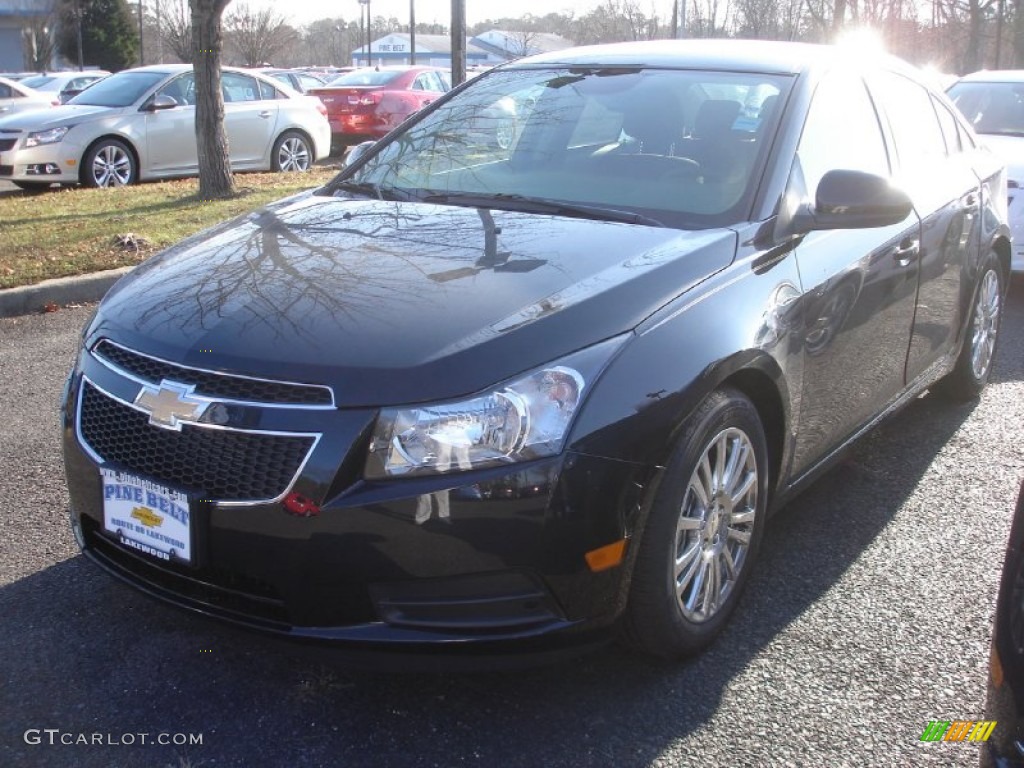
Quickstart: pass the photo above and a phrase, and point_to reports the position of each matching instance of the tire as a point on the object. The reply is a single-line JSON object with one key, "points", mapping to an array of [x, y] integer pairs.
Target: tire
{"points": [[292, 153], [682, 592], [973, 365], [109, 163]]}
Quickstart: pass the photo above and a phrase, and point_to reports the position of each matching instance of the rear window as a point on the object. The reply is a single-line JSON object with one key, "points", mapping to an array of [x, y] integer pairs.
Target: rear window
{"points": [[37, 82], [366, 77]]}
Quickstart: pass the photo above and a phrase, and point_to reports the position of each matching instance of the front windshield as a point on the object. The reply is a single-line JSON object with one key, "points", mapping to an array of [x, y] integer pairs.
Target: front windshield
{"points": [[367, 77], [683, 148], [993, 108], [120, 90]]}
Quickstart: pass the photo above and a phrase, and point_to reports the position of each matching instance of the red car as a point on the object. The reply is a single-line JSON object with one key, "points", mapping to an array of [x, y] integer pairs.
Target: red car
{"points": [[367, 103]]}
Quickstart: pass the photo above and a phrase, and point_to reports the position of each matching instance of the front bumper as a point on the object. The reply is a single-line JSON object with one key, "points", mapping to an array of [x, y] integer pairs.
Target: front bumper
{"points": [[51, 163], [476, 562]]}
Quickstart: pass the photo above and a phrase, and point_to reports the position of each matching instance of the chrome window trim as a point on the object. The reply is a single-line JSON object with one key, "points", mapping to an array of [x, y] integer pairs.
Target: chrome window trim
{"points": [[269, 433], [257, 403]]}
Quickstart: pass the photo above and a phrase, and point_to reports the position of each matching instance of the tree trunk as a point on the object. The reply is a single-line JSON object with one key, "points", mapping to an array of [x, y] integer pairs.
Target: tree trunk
{"points": [[1018, 33], [215, 179], [972, 54]]}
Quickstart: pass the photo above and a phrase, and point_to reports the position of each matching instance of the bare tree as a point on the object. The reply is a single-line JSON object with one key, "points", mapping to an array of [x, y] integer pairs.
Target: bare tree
{"points": [[329, 41], [256, 36], [709, 18], [176, 28], [215, 178], [40, 40], [759, 19], [520, 41]]}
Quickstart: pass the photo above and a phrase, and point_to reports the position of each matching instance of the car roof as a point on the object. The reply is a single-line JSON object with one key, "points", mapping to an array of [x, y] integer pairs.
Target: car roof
{"points": [[175, 69], [72, 74], [994, 76], [729, 55]]}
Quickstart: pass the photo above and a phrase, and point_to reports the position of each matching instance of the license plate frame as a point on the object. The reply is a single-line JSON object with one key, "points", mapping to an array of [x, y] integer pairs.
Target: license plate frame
{"points": [[149, 517]]}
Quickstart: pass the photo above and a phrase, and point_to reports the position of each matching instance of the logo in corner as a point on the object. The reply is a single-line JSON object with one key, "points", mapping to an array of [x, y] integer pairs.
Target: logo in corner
{"points": [[958, 730], [170, 405]]}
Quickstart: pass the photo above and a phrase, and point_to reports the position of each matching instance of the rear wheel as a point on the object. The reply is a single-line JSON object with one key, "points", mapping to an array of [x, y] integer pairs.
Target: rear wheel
{"points": [[109, 163], [292, 152], [974, 364], [704, 530]]}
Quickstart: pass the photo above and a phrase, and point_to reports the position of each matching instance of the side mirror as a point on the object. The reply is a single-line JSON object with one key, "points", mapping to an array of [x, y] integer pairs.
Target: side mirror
{"points": [[852, 200], [357, 152], [160, 102]]}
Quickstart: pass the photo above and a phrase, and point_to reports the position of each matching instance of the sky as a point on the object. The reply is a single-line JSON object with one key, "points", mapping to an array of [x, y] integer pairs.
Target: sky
{"points": [[427, 11]]}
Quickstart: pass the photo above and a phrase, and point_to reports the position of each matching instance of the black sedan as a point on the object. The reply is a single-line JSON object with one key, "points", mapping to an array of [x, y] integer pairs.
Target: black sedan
{"points": [[470, 398]]}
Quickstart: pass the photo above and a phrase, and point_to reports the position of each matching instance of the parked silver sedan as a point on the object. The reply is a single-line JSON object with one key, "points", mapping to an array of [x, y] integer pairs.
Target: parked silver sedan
{"points": [[140, 124], [15, 97]]}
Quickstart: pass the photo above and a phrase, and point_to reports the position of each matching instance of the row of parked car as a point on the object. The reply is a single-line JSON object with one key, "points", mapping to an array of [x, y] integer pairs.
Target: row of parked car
{"points": [[98, 129]]}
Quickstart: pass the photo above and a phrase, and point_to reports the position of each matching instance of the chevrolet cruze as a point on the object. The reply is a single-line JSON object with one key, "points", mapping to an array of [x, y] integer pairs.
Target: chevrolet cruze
{"points": [[140, 124], [468, 398]]}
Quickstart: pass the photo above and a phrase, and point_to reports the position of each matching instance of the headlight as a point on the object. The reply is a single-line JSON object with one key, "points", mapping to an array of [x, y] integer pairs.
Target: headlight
{"points": [[51, 136], [526, 418]]}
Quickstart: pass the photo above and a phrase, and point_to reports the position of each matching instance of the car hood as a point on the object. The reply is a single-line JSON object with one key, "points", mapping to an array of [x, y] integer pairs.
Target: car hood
{"points": [[1009, 149], [396, 302], [54, 117]]}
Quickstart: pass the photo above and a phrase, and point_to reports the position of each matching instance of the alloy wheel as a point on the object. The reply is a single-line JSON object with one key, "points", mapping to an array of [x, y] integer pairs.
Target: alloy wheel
{"points": [[716, 522], [986, 324], [112, 167], [293, 155]]}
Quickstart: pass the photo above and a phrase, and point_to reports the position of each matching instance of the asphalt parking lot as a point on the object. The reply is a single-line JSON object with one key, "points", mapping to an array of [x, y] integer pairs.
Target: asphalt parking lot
{"points": [[868, 615]]}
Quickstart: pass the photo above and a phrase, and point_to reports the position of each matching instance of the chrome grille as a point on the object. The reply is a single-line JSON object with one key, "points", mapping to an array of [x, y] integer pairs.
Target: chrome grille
{"points": [[223, 386], [222, 464]]}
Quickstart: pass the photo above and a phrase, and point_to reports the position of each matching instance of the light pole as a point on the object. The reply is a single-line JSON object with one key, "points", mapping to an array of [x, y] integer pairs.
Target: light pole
{"points": [[369, 24], [412, 32]]}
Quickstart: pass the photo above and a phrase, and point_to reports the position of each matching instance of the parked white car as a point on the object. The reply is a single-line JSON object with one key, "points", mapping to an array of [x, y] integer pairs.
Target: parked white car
{"points": [[140, 124], [16, 97], [64, 86], [993, 102]]}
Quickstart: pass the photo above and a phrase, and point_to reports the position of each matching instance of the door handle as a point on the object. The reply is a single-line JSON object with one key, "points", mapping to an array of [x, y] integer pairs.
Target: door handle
{"points": [[907, 252], [265, 114]]}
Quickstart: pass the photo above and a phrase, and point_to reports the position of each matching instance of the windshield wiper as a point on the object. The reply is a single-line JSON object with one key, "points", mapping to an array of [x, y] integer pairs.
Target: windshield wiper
{"points": [[514, 202], [369, 189]]}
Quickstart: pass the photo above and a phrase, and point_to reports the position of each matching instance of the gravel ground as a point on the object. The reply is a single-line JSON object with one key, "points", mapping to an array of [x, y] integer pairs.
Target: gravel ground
{"points": [[869, 615]]}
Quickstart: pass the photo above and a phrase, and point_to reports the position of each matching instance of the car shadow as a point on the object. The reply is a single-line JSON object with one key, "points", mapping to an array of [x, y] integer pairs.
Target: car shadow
{"points": [[86, 655]]}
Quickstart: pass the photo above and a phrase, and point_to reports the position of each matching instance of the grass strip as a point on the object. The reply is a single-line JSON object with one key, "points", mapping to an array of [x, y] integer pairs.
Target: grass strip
{"points": [[66, 232]]}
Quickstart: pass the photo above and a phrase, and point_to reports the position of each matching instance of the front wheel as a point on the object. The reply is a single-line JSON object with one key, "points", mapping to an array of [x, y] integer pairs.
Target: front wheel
{"points": [[292, 152], [973, 366], [109, 163], [703, 532]]}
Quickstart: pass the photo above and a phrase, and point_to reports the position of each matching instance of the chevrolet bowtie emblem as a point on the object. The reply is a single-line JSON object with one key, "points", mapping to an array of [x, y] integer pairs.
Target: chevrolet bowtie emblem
{"points": [[170, 405]]}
